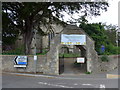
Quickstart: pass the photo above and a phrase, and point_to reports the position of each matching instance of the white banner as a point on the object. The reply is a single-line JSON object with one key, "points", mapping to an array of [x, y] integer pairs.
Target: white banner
{"points": [[73, 39]]}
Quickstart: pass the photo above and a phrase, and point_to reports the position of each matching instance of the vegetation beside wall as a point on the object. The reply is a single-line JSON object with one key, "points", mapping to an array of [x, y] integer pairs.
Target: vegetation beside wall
{"points": [[68, 55], [104, 58], [111, 50], [20, 51], [16, 51], [102, 35]]}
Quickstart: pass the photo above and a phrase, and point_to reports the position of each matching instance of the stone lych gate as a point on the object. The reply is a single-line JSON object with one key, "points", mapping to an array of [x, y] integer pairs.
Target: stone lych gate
{"points": [[50, 63], [88, 51]]}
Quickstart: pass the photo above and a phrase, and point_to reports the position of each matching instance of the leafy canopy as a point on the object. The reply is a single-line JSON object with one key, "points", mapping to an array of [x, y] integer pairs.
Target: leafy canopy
{"points": [[23, 17], [101, 36], [19, 12]]}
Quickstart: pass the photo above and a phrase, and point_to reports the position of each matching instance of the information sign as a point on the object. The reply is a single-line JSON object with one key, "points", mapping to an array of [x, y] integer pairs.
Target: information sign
{"points": [[73, 39]]}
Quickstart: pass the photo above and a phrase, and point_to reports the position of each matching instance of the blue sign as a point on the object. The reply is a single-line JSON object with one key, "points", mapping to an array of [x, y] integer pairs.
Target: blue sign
{"points": [[22, 63], [20, 60], [102, 49]]}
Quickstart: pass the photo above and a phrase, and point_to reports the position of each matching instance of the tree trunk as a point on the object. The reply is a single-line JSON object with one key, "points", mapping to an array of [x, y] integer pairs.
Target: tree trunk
{"points": [[27, 42], [41, 45], [28, 35]]}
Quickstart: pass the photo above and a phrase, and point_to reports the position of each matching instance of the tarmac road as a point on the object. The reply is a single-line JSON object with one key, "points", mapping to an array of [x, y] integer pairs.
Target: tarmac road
{"points": [[64, 81]]}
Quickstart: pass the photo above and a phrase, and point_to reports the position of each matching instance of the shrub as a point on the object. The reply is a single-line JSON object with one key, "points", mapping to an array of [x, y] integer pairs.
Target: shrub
{"points": [[111, 50], [44, 51], [17, 51], [104, 58], [88, 72]]}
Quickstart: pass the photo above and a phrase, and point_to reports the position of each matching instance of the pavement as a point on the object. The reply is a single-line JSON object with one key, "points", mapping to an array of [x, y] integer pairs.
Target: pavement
{"points": [[111, 74]]}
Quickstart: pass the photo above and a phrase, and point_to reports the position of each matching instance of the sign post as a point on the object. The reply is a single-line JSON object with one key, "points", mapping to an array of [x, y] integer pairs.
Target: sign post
{"points": [[35, 63], [35, 56]]}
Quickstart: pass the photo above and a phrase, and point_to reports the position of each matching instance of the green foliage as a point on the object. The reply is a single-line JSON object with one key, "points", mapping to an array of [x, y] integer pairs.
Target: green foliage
{"points": [[20, 51], [96, 31], [9, 31], [68, 55], [24, 16], [104, 58], [101, 37], [118, 39], [17, 51], [44, 51], [88, 72], [112, 36], [110, 31], [111, 49]]}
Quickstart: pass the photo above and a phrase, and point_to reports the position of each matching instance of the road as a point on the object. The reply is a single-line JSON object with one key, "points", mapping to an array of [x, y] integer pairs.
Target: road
{"points": [[38, 81]]}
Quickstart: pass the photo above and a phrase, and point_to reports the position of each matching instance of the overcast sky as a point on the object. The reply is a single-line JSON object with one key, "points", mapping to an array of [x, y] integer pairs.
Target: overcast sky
{"points": [[109, 17]]}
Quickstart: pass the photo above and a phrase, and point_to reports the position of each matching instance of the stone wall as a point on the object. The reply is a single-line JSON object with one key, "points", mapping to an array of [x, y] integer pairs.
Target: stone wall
{"points": [[107, 66], [8, 64], [53, 67], [92, 56], [89, 49], [49, 63]]}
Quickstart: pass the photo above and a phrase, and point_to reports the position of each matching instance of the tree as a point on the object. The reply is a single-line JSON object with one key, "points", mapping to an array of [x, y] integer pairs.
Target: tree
{"points": [[111, 32], [26, 16], [97, 32], [102, 36], [9, 33]]}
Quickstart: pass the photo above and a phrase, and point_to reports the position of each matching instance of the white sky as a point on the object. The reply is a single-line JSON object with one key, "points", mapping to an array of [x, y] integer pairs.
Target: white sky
{"points": [[110, 16]]}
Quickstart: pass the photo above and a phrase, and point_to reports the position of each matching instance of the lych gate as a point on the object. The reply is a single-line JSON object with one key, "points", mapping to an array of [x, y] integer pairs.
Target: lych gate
{"points": [[53, 64]]}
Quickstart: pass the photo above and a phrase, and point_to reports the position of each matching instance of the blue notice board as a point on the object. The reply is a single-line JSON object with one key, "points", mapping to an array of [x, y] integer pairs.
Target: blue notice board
{"points": [[102, 48]]}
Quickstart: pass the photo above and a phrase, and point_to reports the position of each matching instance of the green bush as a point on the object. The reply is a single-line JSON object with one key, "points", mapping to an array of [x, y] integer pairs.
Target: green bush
{"points": [[110, 49], [88, 72], [104, 58], [44, 51], [17, 51]]}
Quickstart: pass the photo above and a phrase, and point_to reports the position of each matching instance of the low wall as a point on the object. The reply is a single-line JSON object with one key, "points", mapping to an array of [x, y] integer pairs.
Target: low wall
{"points": [[107, 66], [8, 64]]}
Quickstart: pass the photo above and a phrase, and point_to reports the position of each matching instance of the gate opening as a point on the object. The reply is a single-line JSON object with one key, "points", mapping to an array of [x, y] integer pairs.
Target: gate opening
{"points": [[68, 63]]}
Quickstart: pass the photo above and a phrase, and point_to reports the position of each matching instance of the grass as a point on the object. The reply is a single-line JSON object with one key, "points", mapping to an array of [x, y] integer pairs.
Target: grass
{"points": [[17, 51], [88, 72], [20, 51], [44, 51], [69, 55]]}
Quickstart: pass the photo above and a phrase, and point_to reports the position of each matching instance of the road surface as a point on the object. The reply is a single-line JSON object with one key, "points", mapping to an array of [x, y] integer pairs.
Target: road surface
{"points": [[41, 81]]}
